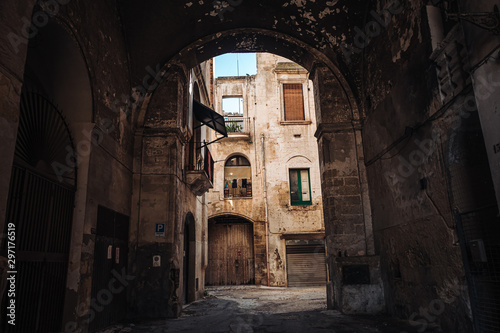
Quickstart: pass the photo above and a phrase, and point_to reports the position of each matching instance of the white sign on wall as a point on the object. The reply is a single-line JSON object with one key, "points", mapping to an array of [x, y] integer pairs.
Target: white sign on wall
{"points": [[117, 255], [156, 261]]}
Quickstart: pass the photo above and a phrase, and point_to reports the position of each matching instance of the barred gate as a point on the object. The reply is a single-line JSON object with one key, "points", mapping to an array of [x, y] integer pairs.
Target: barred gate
{"points": [[478, 223], [42, 212], [479, 232]]}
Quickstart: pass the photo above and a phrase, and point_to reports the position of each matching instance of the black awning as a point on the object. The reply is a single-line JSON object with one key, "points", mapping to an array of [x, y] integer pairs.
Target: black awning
{"points": [[209, 117]]}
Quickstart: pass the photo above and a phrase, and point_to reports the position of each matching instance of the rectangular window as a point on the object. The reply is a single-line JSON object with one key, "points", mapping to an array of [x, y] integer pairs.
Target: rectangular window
{"points": [[293, 102], [232, 106], [300, 187]]}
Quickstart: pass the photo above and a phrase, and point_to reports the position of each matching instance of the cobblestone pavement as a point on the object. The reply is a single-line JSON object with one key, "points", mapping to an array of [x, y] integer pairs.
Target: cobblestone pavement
{"points": [[243, 309]]}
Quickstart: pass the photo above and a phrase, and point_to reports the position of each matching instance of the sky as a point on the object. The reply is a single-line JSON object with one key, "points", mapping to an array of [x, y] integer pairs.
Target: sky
{"points": [[230, 105], [226, 64]]}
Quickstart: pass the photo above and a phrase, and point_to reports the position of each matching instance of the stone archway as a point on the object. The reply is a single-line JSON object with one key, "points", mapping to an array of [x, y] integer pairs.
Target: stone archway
{"points": [[344, 183], [57, 71]]}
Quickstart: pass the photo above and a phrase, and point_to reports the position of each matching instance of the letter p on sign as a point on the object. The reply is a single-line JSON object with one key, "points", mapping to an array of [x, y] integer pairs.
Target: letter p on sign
{"points": [[160, 230]]}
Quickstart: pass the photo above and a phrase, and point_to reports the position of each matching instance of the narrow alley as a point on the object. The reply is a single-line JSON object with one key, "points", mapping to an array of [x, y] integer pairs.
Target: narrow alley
{"points": [[269, 309]]}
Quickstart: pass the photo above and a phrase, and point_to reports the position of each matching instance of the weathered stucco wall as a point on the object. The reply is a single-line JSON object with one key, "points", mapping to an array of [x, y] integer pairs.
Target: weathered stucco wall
{"points": [[162, 194], [286, 146], [420, 166]]}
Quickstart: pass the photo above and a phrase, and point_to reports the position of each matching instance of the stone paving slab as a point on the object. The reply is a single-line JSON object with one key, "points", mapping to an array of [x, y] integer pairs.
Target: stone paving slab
{"points": [[266, 310]]}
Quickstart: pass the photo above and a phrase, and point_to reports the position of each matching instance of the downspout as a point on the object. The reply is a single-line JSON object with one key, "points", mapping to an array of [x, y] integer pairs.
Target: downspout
{"points": [[266, 221]]}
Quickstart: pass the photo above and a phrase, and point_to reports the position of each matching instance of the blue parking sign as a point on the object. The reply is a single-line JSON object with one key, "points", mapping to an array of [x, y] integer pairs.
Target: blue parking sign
{"points": [[160, 230]]}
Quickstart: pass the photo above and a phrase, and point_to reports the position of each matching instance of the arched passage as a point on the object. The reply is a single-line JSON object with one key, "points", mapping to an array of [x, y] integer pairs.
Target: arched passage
{"points": [[337, 85], [56, 108], [338, 133], [56, 99]]}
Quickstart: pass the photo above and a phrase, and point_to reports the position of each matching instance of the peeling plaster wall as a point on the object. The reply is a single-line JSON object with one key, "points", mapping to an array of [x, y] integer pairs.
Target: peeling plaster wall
{"points": [[162, 194], [12, 61], [322, 25], [286, 146], [109, 164], [418, 169]]}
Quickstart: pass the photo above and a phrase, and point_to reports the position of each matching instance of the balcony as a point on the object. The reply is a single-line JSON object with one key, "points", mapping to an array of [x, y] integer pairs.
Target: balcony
{"points": [[200, 178], [238, 126]]}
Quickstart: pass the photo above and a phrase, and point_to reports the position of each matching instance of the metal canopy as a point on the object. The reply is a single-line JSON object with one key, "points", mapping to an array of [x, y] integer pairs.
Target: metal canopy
{"points": [[210, 118]]}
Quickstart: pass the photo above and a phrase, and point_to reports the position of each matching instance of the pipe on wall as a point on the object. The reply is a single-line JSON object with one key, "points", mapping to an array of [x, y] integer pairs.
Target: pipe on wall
{"points": [[266, 220]]}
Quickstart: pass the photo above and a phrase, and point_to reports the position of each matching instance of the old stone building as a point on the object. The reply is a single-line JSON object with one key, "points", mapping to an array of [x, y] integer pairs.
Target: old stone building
{"points": [[104, 173], [270, 143]]}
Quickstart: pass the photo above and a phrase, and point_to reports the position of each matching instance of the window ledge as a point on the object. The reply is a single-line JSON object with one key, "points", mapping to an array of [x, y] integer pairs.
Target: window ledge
{"points": [[235, 135], [306, 207], [238, 198], [238, 135], [296, 122]]}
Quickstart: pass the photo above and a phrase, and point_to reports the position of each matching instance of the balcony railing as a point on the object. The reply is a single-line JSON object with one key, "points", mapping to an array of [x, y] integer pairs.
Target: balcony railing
{"points": [[238, 125], [200, 178], [242, 190]]}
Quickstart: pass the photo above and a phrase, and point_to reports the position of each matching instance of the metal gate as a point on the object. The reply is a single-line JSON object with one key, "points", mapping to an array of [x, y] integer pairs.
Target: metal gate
{"points": [[230, 254], [110, 259], [478, 223], [305, 264], [479, 232], [42, 211]]}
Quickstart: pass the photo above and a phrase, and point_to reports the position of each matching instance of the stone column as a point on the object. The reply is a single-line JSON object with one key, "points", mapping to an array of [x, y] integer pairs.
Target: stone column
{"points": [[81, 133], [157, 186], [342, 196], [355, 284]]}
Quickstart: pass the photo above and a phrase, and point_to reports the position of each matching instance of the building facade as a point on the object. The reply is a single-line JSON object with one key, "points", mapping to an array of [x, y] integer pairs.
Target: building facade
{"points": [[267, 175]]}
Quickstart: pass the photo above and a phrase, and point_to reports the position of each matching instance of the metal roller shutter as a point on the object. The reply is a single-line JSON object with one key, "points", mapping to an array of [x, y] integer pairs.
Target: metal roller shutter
{"points": [[306, 265]]}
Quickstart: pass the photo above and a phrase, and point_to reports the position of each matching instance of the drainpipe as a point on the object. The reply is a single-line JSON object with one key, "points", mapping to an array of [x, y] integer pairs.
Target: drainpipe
{"points": [[266, 221]]}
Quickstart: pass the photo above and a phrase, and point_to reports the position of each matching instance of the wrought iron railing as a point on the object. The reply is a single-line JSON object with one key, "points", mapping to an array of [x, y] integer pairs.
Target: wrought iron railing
{"points": [[238, 125], [243, 189]]}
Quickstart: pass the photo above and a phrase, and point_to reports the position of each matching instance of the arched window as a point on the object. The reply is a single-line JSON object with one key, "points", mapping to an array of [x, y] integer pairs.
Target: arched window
{"points": [[237, 177]]}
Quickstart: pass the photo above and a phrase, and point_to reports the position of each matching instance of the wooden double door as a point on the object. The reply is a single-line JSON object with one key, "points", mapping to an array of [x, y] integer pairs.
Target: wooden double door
{"points": [[230, 254]]}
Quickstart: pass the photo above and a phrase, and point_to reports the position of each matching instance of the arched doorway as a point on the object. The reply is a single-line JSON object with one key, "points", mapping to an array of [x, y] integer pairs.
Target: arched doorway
{"points": [[56, 101], [39, 215], [230, 251]]}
